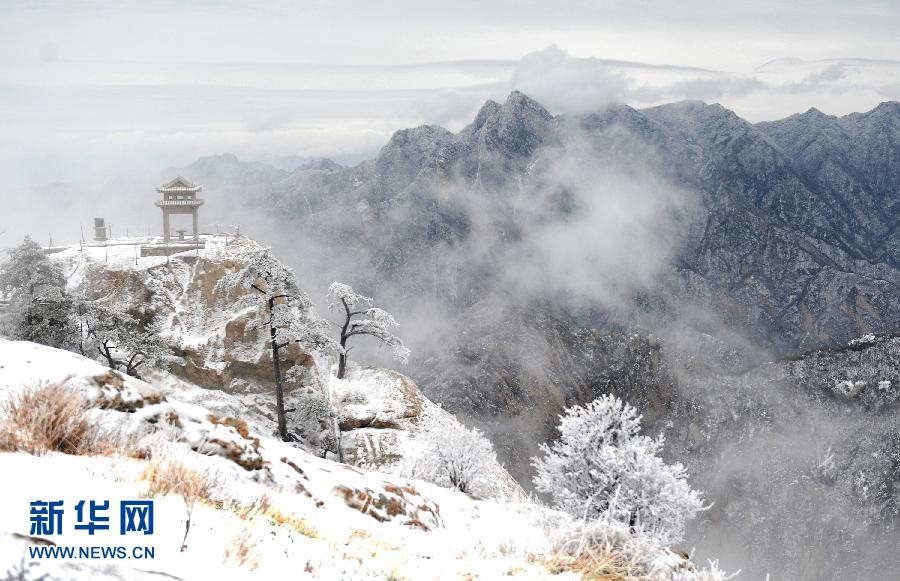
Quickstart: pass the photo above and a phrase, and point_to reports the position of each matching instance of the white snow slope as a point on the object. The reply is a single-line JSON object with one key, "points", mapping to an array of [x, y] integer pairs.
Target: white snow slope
{"points": [[313, 518]]}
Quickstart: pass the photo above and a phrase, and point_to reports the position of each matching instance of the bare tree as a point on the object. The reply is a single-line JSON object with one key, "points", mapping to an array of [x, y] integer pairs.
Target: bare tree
{"points": [[377, 322], [120, 339], [286, 315]]}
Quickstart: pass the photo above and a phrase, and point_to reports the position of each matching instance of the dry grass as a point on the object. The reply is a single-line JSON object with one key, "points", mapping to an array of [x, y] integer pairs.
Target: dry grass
{"points": [[301, 525], [247, 511], [595, 563], [53, 418], [243, 550], [173, 477], [263, 507], [50, 418]]}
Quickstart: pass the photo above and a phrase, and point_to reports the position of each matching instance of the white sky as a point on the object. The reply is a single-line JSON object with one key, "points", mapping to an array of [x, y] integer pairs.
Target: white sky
{"points": [[86, 86]]}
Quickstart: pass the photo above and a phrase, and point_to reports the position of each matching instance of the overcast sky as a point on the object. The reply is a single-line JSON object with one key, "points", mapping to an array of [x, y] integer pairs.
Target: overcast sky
{"points": [[86, 86]]}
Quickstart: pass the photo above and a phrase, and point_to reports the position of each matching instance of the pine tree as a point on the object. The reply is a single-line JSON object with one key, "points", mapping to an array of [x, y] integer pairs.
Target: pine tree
{"points": [[118, 339], [377, 322], [29, 272], [287, 313], [39, 309]]}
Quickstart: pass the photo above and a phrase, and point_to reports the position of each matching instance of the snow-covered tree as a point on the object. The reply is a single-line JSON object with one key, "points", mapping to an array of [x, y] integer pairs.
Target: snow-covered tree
{"points": [[38, 309], [45, 319], [287, 311], [602, 468], [453, 457], [374, 321], [28, 271], [117, 338]]}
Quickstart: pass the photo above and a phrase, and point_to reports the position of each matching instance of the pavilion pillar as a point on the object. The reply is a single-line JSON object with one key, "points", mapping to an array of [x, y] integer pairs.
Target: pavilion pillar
{"points": [[196, 229], [165, 225]]}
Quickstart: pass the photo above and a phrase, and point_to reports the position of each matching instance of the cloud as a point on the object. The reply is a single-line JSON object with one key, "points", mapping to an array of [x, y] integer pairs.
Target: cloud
{"points": [[566, 84], [780, 88]]}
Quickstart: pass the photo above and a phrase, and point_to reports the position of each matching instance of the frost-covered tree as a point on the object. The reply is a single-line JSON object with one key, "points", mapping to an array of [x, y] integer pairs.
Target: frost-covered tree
{"points": [[453, 456], [118, 339], [28, 271], [45, 319], [602, 468], [373, 321], [287, 312], [38, 309]]}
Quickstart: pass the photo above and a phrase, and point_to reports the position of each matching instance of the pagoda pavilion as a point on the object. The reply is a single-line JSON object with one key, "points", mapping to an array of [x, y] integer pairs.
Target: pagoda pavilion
{"points": [[179, 196]]}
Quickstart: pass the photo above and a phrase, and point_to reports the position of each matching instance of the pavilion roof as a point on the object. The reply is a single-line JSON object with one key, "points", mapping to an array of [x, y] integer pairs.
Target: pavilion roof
{"points": [[179, 184]]}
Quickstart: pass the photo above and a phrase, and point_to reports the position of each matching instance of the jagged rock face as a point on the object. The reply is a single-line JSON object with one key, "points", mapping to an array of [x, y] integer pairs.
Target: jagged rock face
{"points": [[809, 448], [852, 163], [766, 254], [224, 347], [219, 347], [772, 244], [787, 244]]}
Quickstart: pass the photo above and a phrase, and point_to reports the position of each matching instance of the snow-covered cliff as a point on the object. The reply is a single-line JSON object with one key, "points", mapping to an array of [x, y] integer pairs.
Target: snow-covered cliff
{"points": [[222, 348]]}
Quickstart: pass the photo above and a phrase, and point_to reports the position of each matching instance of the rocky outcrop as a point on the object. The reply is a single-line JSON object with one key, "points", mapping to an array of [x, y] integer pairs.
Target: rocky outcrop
{"points": [[223, 347], [220, 344], [381, 413]]}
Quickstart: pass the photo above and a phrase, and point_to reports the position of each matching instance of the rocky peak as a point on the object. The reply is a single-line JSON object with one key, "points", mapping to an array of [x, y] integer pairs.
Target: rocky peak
{"points": [[522, 125], [490, 110], [515, 129], [228, 170], [320, 164], [813, 113], [702, 121], [891, 108], [408, 152]]}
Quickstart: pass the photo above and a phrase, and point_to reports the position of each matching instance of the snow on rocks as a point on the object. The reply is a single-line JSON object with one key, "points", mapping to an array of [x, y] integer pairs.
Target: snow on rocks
{"points": [[394, 502], [382, 414], [376, 398], [24, 364], [215, 329], [271, 506], [208, 319]]}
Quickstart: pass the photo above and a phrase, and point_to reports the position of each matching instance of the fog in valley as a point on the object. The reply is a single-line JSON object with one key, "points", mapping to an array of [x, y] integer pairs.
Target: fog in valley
{"points": [[549, 203]]}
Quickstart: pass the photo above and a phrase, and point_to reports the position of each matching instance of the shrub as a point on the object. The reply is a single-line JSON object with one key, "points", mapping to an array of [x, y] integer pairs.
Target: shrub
{"points": [[54, 418], [50, 418], [173, 477], [453, 457], [597, 563], [313, 421], [602, 469]]}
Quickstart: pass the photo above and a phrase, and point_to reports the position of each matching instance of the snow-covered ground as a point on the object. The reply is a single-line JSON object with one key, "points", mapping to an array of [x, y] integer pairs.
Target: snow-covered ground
{"points": [[273, 508], [120, 253]]}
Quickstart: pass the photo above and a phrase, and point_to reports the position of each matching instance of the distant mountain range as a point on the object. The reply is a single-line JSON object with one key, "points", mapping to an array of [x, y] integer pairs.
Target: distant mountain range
{"points": [[663, 254], [783, 236]]}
